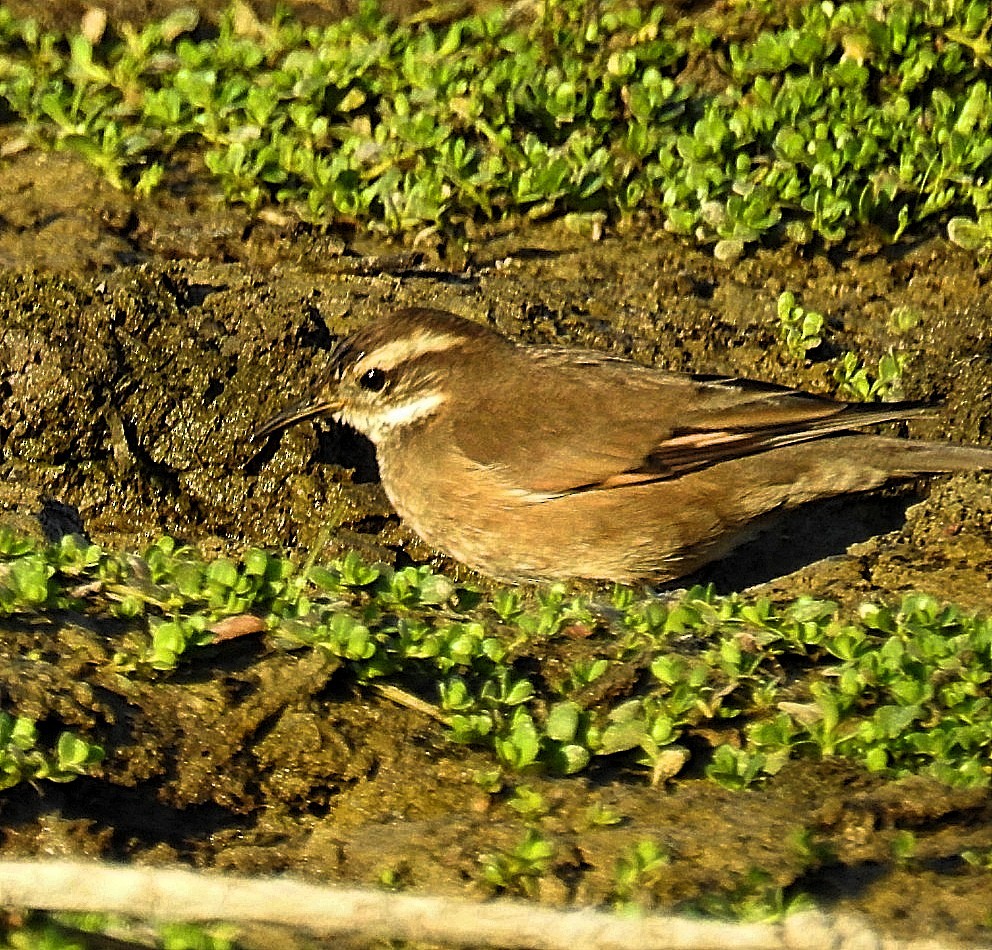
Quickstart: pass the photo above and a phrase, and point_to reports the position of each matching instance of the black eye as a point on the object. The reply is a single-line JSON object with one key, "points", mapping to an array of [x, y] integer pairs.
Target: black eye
{"points": [[374, 380]]}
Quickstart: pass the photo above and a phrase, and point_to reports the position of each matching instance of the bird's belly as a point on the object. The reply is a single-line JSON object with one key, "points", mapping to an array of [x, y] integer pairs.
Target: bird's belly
{"points": [[660, 530], [514, 535]]}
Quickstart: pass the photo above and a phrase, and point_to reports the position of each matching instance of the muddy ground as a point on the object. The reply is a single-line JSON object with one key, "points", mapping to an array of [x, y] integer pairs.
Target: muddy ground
{"points": [[142, 341]]}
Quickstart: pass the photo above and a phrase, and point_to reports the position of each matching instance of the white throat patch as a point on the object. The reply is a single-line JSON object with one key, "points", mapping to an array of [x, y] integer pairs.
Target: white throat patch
{"points": [[375, 425]]}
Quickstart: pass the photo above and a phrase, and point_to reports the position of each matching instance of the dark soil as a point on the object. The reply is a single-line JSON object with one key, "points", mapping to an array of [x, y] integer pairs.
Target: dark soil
{"points": [[140, 344]]}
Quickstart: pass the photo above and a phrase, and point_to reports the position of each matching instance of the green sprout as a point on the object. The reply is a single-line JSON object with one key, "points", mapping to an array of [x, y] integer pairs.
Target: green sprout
{"points": [[600, 814], [800, 330], [21, 760], [756, 899], [519, 870], [638, 871], [735, 768], [528, 803], [856, 383]]}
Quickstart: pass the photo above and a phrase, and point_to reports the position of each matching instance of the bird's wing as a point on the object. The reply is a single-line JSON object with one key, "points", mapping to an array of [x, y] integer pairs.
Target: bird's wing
{"points": [[606, 423]]}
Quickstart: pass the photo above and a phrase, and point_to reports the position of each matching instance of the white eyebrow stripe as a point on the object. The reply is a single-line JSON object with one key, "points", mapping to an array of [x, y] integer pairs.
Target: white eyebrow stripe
{"points": [[406, 348]]}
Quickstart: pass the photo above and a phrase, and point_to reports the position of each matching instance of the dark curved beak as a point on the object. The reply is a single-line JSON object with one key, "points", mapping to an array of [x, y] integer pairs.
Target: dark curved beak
{"points": [[293, 413]]}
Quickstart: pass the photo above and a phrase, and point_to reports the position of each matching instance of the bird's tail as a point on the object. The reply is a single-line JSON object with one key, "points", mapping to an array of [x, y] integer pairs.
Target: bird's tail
{"points": [[909, 457]]}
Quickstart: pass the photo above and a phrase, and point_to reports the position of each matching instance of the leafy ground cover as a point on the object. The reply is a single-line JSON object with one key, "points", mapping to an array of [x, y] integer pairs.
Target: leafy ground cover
{"points": [[842, 116], [903, 690], [541, 684]]}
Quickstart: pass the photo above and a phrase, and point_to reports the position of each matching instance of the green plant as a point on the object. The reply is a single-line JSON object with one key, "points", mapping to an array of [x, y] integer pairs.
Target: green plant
{"points": [[396, 877], [21, 759], [854, 381], [973, 234], [735, 768], [755, 899], [903, 319], [801, 330], [638, 871], [904, 846], [528, 803], [91, 931], [519, 870], [982, 860], [600, 814]]}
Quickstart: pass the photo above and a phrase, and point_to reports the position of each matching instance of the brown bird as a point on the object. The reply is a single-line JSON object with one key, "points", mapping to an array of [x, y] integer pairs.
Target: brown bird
{"points": [[539, 462]]}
